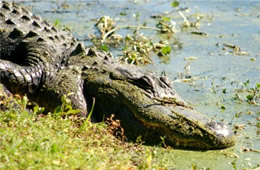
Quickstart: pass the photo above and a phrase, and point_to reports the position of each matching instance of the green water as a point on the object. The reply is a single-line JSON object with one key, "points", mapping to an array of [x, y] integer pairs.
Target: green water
{"points": [[230, 22]]}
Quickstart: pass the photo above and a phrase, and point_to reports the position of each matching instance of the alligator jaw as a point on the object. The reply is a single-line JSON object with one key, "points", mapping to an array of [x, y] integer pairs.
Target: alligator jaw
{"points": [[184, 127]]}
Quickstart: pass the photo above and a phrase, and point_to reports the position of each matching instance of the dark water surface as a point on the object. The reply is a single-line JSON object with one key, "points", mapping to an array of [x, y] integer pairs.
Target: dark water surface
{"points": [[214, 70]]}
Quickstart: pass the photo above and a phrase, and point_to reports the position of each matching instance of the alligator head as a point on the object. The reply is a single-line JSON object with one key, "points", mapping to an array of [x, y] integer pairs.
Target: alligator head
{"points": [[147, 105]]}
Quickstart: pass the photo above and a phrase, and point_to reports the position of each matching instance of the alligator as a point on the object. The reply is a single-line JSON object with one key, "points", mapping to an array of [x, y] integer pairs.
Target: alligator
{"points": [[46, 63]]}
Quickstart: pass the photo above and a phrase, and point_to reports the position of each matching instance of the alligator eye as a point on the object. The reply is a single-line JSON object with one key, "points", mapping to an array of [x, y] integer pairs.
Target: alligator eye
{"points": [[144, 82]]}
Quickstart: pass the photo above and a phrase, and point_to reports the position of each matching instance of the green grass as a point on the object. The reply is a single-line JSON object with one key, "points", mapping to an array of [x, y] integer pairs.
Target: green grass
{"points": [[33, 141]]}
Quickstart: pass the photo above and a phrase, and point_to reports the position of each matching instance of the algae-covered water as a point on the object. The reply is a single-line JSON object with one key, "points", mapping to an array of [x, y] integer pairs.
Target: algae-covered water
{"points": [[219, 74]]}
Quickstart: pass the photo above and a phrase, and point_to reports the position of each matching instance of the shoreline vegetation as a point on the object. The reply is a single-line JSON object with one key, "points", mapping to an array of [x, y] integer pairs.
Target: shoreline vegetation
{"points": [[30, 139]]}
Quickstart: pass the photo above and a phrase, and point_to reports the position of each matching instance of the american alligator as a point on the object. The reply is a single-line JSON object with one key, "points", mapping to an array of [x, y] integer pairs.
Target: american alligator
{"points": [[46, 63]]}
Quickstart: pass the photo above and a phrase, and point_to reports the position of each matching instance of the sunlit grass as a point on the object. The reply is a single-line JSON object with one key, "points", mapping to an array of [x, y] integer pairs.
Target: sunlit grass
{"points": [[36, 141]]}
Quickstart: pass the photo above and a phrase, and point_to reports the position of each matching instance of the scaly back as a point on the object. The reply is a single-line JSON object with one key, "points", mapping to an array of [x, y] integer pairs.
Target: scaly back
{"points": [[27, 39]]}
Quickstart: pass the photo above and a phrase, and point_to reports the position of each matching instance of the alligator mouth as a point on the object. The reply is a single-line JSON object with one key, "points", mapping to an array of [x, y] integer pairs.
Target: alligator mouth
{"points": [[206, 142], [185, 128]]}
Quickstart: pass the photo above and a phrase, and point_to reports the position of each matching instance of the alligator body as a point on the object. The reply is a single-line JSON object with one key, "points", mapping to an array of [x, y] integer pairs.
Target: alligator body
{"points": [[46, 63]]}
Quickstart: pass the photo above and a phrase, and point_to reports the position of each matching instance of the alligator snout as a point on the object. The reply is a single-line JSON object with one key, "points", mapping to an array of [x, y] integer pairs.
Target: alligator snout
{"points": [[185, 127]]}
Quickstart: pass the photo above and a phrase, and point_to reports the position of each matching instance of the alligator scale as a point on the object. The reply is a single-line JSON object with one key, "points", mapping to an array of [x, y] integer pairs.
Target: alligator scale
{"points": [[46, 63]]}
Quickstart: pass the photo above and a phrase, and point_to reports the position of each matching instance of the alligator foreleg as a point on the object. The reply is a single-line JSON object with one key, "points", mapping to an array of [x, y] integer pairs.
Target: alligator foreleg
{"points": [[20, 79]]}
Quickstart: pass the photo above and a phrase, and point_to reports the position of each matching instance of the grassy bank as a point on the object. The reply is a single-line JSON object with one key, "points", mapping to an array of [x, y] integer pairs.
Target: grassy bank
{"points": [[35, 141]]}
